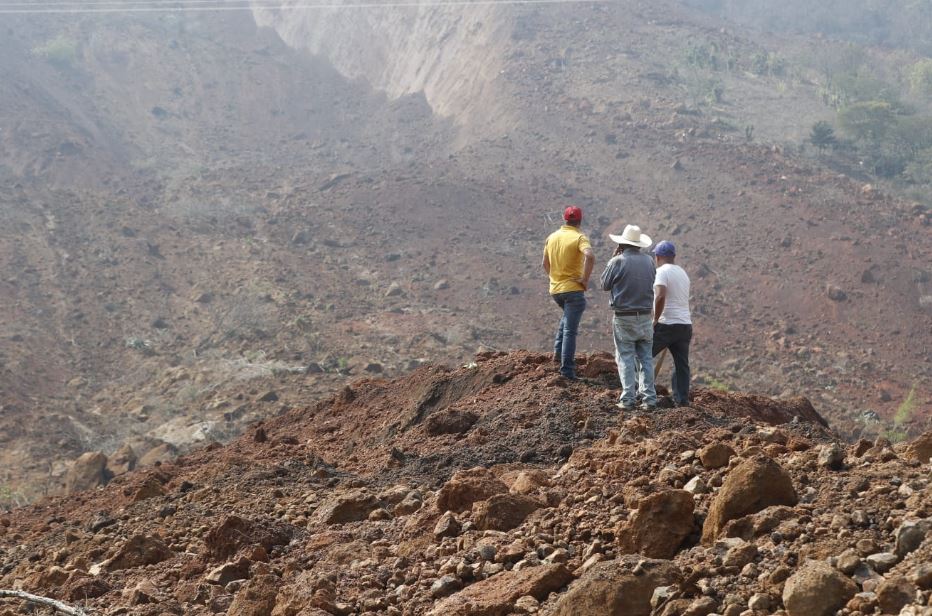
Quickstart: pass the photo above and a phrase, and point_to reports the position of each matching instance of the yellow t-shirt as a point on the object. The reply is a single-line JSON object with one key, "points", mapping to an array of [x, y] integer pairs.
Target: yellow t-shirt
{"points": [[564, 249]]}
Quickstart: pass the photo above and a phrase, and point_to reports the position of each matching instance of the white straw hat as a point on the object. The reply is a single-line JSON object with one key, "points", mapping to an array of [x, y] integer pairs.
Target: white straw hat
{"points": [[633, 237]]}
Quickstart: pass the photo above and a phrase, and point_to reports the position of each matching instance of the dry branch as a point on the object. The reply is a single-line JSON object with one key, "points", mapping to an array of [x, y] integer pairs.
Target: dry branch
{"points": [[58, 606]]}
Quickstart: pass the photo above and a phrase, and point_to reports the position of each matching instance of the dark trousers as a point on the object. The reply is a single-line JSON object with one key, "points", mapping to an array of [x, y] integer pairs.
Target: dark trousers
{"points": [[573, 305], [677, 339]]}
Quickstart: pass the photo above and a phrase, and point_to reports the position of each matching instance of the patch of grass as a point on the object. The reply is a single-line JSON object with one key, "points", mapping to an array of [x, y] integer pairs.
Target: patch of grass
{"points": [[10, 499], [718, 385], [60, 51], [906, 409], [188, 394], [894, 435], [904, 415], [140, 344], [770, 64]]}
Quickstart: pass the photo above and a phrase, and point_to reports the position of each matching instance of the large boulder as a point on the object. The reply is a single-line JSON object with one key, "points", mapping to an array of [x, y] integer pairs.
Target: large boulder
{"points": [[496, 596], [256, 598], [598, 365], [760, 523], [620, 587], [893, 594], [235, 533], [150, 488], [659, 526], [352, 506], [87, 472], [715, 455], [911, 534], [504, 511], [468, 487], [750, 487], [921, 448], [832, 456], [83, 587], [123, 461], [447, 526], [451, 421], [228, 572], [817, 589], [160, 454], [138, 551], [529, 481]]}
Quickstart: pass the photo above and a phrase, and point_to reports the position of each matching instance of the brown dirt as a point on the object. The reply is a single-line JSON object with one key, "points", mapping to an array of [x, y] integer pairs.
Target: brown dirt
{"points": [[161, 286], [257, 498]]}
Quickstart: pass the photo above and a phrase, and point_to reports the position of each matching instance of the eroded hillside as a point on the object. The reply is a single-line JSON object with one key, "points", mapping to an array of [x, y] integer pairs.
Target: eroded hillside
{"points": [[273, 209]]}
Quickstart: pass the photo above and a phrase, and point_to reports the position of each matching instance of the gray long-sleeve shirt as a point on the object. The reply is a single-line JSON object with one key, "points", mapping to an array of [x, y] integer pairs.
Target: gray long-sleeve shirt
{"points": [[630, 278]]}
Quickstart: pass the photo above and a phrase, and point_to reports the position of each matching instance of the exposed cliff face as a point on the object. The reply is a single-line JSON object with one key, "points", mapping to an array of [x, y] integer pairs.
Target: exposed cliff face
{"points": [[453, 54]]}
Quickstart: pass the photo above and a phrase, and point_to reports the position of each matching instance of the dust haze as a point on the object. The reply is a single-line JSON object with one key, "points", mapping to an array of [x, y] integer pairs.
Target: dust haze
{"points": [[211, 218]]}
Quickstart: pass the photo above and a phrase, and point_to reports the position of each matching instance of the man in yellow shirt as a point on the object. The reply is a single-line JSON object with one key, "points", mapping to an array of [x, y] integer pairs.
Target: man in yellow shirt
{"points": [[568, 260]]}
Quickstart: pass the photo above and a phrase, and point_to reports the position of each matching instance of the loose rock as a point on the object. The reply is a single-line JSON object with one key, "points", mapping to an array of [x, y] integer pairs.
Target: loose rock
{"points": [[817, 589]]}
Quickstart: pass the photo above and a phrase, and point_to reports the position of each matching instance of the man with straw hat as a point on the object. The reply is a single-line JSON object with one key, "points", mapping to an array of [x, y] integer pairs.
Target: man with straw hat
{"points": [[568, 261], [629, 276]]}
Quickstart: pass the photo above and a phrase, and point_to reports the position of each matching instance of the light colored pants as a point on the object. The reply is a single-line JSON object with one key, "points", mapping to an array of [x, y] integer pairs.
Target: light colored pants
{"points": [[634, 339]]}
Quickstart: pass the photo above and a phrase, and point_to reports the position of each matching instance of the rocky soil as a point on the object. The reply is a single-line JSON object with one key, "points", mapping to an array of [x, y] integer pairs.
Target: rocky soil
{"points": [[498, 488], [252, 226]]}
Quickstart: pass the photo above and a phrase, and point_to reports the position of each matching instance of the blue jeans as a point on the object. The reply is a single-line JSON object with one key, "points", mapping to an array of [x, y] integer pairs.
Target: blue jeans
{"points": [[634, 339], [573, 304]]}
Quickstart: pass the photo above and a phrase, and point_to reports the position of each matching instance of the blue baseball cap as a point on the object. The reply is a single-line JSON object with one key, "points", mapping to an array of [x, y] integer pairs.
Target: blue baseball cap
{"points": [[665, 249]]}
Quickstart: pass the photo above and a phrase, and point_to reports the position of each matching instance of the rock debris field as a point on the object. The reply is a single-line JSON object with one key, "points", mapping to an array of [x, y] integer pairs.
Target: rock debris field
{"points": [[497, 489]]}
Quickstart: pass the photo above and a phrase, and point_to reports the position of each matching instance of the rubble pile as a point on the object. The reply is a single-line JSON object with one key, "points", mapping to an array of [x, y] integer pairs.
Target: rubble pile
{"points": [[700, 510]]}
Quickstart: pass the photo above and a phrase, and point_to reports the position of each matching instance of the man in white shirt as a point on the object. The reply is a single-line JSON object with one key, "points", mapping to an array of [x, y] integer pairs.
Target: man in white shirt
{"points": [[673, 327]]}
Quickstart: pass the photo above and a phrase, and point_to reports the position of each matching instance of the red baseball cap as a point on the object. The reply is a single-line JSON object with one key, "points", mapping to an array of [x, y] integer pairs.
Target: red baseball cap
{"points": [[572, 214]]}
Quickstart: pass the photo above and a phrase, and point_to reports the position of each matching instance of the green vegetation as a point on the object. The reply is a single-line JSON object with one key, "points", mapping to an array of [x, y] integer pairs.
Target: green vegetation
{"points": [[889, 23], [139, 344], [10, 499], [867, 121], [704, 89], [884, 116], [906, 410], [718, 384], [188, 394], [770, 64], [919, 169], [823, 136], [920, 77], [702, 56], [902, 417], [60, 51], [701, 65]]}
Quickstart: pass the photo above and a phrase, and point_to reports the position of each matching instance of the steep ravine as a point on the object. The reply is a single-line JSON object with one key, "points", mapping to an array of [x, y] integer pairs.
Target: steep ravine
{"points": [[453, 54]]}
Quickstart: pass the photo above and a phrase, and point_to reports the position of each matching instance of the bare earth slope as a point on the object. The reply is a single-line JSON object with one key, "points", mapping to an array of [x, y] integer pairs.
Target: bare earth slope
{"points": [[488, 490], [249, 225]]}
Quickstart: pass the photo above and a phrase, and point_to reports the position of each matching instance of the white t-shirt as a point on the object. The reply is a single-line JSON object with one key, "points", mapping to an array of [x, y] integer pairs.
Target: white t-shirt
{"points": [[676, 308]]}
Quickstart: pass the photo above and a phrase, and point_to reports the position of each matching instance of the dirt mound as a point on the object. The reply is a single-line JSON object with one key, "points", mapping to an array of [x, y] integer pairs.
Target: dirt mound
{"points": [[342, 508], [759, 408], [174, 291], [512, 406]]}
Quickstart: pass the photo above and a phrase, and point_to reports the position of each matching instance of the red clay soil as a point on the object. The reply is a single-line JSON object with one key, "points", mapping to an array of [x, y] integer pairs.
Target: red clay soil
{"points": [[334, 507]]}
